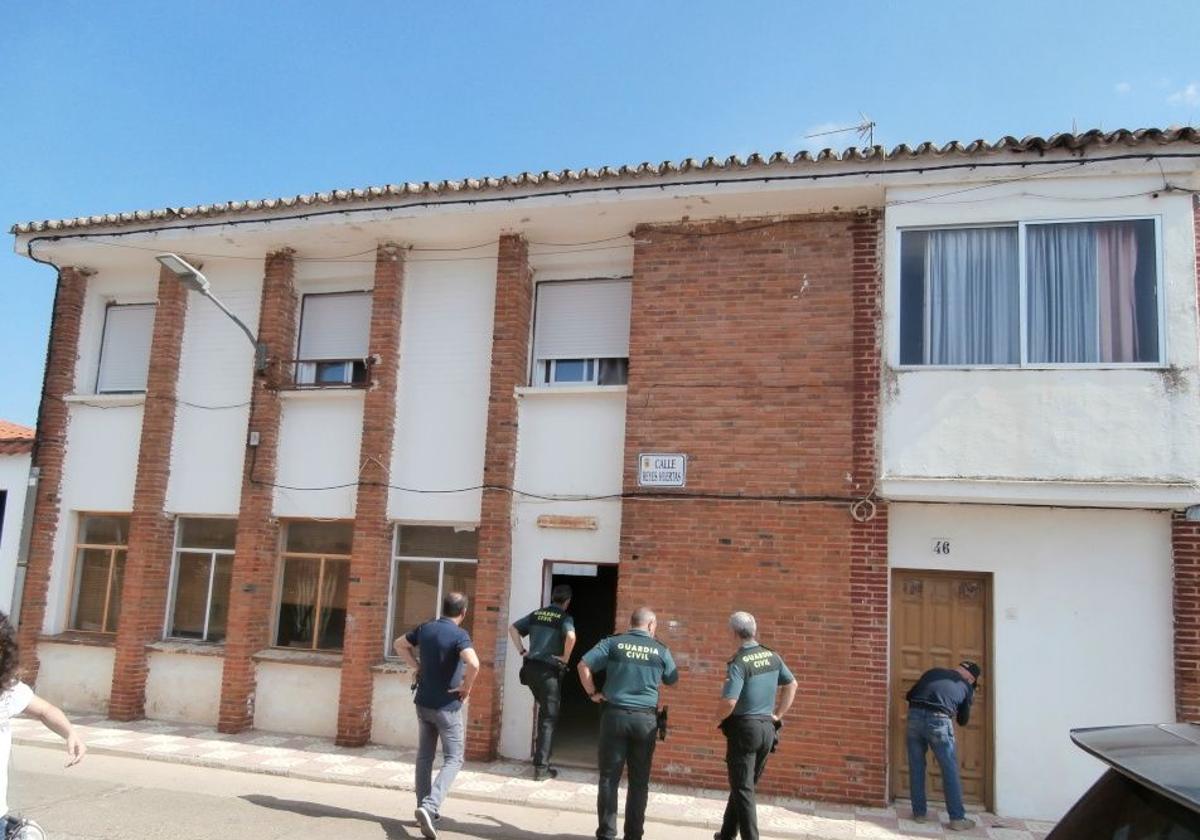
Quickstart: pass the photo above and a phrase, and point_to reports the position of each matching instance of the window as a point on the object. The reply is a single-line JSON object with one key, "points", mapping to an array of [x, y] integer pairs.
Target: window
{"points": [[581, 332], [202, 574], [99, 573], [125, 348], [1031, 294], [430, 561], [334, 333], [312, 599]]}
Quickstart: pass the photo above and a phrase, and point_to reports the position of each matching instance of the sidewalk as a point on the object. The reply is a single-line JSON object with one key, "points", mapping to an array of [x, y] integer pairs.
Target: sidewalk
{"points": [[318, 759]]}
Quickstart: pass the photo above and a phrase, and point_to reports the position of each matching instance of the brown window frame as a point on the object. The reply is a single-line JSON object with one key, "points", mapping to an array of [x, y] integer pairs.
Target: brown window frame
{"points": [[108, 584]]}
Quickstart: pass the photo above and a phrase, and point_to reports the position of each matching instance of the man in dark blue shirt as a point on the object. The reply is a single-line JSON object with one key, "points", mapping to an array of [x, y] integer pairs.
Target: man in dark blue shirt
{"points": [[939, 697], [551, 633], [446, 666]]}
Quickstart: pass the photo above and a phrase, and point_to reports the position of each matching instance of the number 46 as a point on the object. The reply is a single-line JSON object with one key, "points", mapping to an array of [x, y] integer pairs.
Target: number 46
{"points": [[941, 546]]}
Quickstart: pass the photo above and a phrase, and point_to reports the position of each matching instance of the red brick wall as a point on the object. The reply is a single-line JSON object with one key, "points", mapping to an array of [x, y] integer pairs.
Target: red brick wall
{"points": [[753, 350], [1185, 546], [151, 532], [256, 550], [371, 557], [62, 353], [510, 360]]}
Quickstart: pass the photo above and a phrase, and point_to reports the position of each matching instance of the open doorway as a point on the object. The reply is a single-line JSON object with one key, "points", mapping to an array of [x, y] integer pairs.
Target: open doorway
{"points": [[594, 608]]}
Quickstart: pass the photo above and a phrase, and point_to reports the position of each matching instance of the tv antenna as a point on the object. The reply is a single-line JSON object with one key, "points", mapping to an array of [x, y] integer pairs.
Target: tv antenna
{"points": [[865, 130]]}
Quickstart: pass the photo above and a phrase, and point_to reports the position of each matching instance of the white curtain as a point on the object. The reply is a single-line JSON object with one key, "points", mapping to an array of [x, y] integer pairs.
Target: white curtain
{"points": [[1063, 305], [972, 297]]}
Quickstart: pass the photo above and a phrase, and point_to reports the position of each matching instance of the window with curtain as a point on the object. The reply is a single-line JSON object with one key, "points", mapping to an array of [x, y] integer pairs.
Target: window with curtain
{"points": [[335, 331], [125, 348], [315, 585], [429, 562], [202, 575], [1090, 290], [99, 573], [581, 332]]}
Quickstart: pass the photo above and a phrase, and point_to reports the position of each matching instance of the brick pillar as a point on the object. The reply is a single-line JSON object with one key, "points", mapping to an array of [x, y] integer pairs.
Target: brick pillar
{"points": [[256, 550], [151, 532], [869, 538], [372, 552], [49, 448], [510, 368], [1185, 548]]}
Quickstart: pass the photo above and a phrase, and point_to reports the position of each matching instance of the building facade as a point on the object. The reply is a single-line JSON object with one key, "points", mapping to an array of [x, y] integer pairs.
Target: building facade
{"points": [[934, 403], [16, 448]]}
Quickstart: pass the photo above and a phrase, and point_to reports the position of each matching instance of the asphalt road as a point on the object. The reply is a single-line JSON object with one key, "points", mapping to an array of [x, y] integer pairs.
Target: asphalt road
{"points": [[113, 798]]}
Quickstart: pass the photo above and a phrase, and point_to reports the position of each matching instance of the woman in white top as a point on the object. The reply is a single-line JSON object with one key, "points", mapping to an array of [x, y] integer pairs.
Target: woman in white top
{"points": [[17, 698]]}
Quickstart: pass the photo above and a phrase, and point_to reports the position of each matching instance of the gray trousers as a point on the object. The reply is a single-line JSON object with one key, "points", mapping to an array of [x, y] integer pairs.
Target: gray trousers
{"points": [[432, 725]]}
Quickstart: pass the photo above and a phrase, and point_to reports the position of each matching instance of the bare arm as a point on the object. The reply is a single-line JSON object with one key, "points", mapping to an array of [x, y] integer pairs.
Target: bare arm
{"points": [[407, 652], [568, 646], [53, 719], [786, 698], [725, 708], [471, 660], [589, 686], [515, 635]]}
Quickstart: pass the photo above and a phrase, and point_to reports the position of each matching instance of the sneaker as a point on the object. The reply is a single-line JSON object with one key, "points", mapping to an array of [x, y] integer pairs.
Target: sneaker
{"points": [[425, 820], [962, 825], [920, 818], [543, 773]]}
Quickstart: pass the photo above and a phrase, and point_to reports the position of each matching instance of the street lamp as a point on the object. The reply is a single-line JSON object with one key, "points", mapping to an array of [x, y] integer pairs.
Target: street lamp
{"points": [[192, 277]]}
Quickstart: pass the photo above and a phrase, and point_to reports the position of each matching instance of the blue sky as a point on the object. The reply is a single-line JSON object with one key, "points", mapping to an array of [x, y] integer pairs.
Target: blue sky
{"points": [[124, 105]]}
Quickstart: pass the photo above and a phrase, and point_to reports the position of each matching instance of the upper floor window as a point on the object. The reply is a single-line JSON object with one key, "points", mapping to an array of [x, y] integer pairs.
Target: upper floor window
{"points": [[315, 585], [430, 561], [581, 332], [125, 348], [334, 333], [1031, 294], [99, 572], [202, 575]]}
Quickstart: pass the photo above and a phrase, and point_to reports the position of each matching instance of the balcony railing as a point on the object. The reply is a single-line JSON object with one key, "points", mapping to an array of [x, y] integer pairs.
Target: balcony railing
{"points": [[330, 373]]}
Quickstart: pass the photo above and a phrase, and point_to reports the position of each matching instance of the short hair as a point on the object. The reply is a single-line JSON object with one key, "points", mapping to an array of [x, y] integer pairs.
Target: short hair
{"points": [[744, 625], [561, 594], [642, 617], [454, 604]]}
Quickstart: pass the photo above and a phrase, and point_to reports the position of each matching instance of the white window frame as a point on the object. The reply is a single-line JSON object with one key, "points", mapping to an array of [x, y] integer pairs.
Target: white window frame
{"points": [[213, 553], [1024, 363], [108, 308], [397, 559], [540, 365], [305, 374]]}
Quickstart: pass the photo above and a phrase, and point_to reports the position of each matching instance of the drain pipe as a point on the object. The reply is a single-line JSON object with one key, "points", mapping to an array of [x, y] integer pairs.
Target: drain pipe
{"points": [[18, 591]]}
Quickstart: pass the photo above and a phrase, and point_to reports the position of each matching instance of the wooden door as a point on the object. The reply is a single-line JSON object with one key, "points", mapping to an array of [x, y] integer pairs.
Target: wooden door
{"points": [[938, 620]]}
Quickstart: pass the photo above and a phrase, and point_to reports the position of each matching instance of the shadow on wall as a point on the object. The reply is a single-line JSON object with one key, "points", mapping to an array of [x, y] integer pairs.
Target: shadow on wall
{"points": [[482, 827]]}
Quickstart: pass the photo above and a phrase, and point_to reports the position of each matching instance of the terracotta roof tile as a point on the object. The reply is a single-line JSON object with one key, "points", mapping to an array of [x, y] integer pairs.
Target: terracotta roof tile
{"points": [[15, 439], [1076, 143]]}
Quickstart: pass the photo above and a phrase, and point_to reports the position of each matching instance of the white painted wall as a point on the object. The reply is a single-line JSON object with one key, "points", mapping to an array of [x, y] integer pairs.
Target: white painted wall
{"points": [[300, 699], [1135, 426], [216, 369], [442, 394], [1082, 630], [319, 437], [570, 442], [14, 482], [77, 678], [393, 716], [184, 687]]}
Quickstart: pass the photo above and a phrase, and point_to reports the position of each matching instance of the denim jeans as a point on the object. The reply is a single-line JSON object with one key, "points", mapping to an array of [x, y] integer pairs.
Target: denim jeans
{"points": [[435, 724], [932, 731]]}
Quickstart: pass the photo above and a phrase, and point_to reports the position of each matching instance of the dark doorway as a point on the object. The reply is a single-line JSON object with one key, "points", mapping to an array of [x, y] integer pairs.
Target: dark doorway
{"points": [[594, 608]]}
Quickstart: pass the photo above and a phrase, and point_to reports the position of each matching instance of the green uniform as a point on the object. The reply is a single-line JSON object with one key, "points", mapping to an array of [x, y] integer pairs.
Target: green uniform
{"points": [[752, 677], [636, 664], [547, 630], [542, 671]]}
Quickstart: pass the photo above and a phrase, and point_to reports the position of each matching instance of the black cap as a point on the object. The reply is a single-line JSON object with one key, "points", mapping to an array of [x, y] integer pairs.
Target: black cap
{"points": [[972, 668]]}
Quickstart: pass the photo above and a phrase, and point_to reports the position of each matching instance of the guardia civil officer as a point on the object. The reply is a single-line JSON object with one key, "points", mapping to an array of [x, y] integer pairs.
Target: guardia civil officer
{"points": [[636, 664], [551, 635], [748, 715]]}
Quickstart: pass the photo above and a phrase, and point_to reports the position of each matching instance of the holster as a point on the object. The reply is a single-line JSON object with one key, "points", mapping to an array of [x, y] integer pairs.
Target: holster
{"points": [[661, 716], [775, 742]]}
